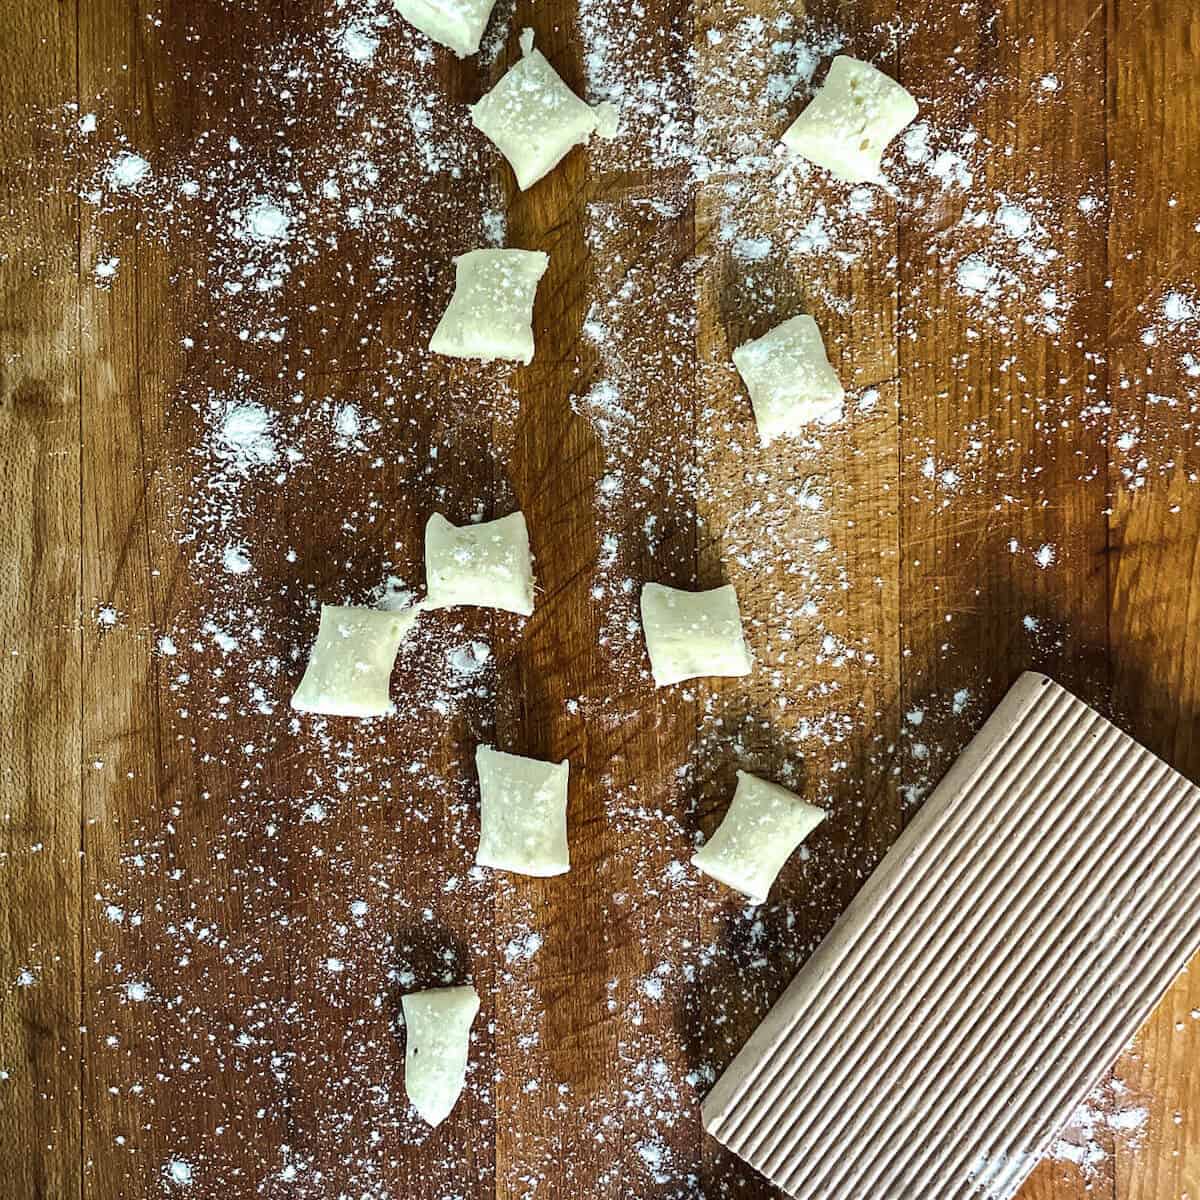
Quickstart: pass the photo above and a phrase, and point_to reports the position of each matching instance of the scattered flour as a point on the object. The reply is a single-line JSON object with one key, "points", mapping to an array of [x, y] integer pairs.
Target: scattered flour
{"points": [[1110, 1115], [178, 1172], [128, 171], [265, 221], [235, 560], [359, 42], [244, 436], [282, 382], [523, 947]]}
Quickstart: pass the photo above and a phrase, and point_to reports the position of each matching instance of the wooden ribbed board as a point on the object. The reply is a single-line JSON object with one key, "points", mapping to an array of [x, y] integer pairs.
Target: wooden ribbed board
{"points": [[991, 970]]}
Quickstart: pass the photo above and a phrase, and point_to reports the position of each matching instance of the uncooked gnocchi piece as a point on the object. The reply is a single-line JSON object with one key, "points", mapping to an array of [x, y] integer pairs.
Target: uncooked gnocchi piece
{"points": [[534, 118], [487, 565], [523, 813], [490, 314], [350, 665], [764, 824], [435, 1059], [693, 634], [790, 379], [458, 24], [848, 124]]}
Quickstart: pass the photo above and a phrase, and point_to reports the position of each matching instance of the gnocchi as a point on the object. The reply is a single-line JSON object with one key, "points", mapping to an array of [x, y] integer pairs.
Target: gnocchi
{"points": [[490, 314], [350, 666], [458, 24], [488, 565], [764, 825], [438, 1024], [790, 379], [535, 119], [523, 814], [693, 634], [848, 124]]}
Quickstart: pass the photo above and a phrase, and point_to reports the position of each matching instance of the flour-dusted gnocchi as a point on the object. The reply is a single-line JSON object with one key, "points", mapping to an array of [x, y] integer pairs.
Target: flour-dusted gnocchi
{"points": [[693, 634], [523, 814], [351, 662], [490, 314], [534, 118], [764, 824], [438, 1024], [848, 124], [790, 379], [486, 566], [458, 24]]}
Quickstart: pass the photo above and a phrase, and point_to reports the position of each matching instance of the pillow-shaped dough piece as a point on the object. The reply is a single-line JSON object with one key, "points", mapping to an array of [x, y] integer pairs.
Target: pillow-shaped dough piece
{"points": [[764, 824], [790, 379], [350, 666], [523, 814], [534, 118], [435, 1058], [693, 634], [458, 24], [848, 124], [490, 315], [486, 566]]}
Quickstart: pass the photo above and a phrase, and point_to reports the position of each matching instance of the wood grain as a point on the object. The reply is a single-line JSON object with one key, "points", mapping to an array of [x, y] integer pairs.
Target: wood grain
{"points": [[271, 886], [842, 655], [1154, 568], [597, 1110], [40, 673]]}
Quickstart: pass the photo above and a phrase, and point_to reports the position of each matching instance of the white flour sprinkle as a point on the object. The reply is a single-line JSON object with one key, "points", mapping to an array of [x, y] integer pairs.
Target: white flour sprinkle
{"points": [[1108, 1114], [178, 1172], [266, 222], [393, 595], [127, 171], [523, 947], [244, 436], [235, 560], [976, 276], [347, 424], [470, 659], [358, 42], [1178, 309]]}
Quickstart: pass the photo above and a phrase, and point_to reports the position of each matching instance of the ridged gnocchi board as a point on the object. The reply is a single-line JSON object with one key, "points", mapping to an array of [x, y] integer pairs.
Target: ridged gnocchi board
{"points": [[991, 970]]}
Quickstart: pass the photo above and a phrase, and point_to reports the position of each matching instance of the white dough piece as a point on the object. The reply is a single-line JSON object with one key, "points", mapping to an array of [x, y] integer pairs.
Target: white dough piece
{"points": [[523, 815], [435, 1058], [848, 124], [487, 565], [458, 24], [350, 665], [790, 379], [764, 824], [534, 118], [490, 314], [693, 634]]}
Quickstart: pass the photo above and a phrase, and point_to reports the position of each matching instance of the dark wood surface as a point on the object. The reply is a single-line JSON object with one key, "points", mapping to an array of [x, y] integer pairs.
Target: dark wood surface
{"points": [[186, 981]]}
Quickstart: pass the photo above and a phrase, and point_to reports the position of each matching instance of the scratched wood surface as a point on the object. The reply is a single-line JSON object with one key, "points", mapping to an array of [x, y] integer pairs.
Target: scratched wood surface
{"points": [[189, 981]]}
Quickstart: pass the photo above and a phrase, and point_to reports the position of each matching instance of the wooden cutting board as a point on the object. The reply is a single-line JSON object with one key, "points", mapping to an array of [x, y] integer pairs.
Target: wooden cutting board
{"points": [[189, 986]]}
